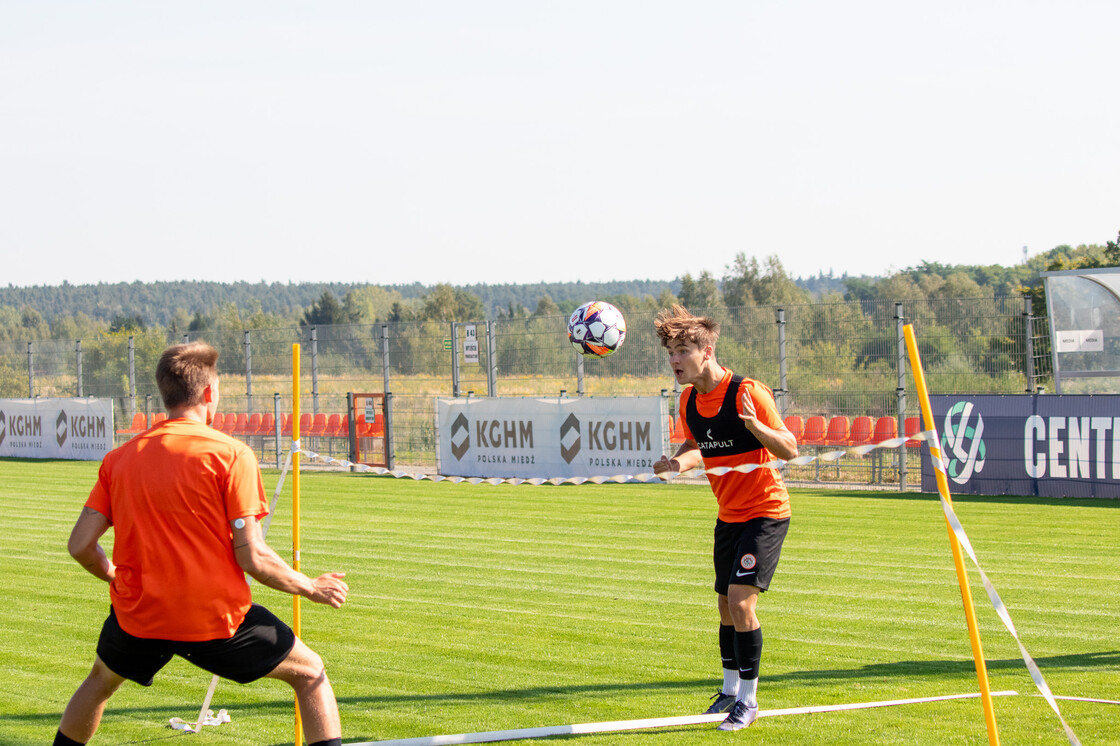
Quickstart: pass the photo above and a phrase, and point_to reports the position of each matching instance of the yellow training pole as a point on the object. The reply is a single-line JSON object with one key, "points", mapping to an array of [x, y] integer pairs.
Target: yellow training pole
{"points": [[295, 510], [958, 556]]}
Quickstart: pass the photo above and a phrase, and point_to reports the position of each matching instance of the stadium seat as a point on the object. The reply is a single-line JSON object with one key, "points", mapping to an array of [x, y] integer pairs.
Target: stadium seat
{"points": [[241, 424], [268, 425], [885, 429], [304, 425], [159, 417], [229, 423], [139, 425], [218, 421], [860, 434], [838, 431], [795, 425], [253, 426], [344, 426], [334, 426], [913, 427], [815, 430], [318, 426]]}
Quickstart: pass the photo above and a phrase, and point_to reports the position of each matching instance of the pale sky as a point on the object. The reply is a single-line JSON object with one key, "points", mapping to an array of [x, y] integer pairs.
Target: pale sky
{"points": [[523, 141]]}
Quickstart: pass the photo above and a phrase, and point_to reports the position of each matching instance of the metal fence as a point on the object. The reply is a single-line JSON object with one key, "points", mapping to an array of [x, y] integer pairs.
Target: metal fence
{"points": [[831, 360]]}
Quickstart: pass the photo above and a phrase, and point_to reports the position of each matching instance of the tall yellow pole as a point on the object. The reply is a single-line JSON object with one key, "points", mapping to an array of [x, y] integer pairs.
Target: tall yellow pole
{"points": [[295, 511], [958, 556]]}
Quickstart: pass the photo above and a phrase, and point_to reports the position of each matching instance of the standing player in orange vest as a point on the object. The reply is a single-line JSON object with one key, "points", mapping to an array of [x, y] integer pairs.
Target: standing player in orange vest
{"points": [[185, 502], [729, 420]]}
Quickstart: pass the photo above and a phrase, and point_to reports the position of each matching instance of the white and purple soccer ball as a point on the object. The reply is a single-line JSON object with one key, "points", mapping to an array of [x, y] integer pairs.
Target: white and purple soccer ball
{"points": [[596, 329]]}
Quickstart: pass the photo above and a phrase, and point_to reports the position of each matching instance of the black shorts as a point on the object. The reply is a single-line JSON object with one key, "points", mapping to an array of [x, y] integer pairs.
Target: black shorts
{"points": [[747, 553], [260, 644]]}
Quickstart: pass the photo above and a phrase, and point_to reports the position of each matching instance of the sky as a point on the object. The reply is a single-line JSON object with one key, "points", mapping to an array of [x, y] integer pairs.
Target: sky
{"points": [[523, 141]]}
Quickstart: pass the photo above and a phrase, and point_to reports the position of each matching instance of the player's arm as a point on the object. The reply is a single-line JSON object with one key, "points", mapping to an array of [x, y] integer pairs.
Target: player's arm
{"points": [[687, 457], [264, 565], [84, 547], [779, 441]]}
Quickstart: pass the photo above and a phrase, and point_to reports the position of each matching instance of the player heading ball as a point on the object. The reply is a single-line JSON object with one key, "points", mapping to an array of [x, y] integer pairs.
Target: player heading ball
{"points": [[730, 420]]}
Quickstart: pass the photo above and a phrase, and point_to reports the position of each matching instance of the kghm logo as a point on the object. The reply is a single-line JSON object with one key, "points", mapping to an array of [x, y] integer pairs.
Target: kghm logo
{"points": [[962, 442], [569, 438], [60, 428], [460, 436], [3, 427]]}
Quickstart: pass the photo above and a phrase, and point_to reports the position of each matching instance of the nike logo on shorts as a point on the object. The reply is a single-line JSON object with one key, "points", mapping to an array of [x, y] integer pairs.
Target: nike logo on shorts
{"points": [[742, 574]]}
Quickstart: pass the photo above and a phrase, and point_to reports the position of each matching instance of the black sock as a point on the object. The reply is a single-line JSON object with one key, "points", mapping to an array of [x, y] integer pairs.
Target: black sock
{"points": [[748, 652], [727, 646], [61, 740], [328, 742]]}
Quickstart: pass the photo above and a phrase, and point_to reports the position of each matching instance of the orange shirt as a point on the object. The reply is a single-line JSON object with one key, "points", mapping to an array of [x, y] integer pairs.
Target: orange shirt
{"points": [[741, 497], [170, 493]]}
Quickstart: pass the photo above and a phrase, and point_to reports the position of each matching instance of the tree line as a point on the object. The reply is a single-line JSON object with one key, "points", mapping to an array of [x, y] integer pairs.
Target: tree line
{"points": [[76, 311]]}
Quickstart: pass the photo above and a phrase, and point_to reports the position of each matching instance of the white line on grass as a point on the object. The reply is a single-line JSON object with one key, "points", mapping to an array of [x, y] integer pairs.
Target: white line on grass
{"points": [[582, 728]]}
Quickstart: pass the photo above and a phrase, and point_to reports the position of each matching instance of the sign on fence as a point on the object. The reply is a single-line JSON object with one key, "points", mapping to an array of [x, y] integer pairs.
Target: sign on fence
{"points": [[1046, 445], [77, 429], [554, 437]]}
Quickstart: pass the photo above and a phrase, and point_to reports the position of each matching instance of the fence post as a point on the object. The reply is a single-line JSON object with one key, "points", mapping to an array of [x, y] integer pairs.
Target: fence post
{"points": [[30, 372], [491, 359], [186, 337], [454, 359], [390, 451], [248, 374], [351, 432], [579, 374], [1028, 332], [315, 370], [78, 351], [277, 425], [131, 378], [780, 392], [900, 394]]}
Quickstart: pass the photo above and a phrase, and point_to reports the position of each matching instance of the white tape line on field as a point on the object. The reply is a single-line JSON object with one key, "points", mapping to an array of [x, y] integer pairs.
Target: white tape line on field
{"points": [[936, 460], [668, 722], [646, 477]]}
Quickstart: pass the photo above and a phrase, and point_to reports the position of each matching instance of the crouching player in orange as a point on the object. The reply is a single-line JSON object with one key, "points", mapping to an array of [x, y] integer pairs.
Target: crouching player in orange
{"points": [[729, 420]]}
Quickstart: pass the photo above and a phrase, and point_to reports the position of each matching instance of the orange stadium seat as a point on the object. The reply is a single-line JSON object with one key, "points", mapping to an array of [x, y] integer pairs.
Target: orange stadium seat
{"points": [[913, 427], [885, 429], [814, 430], [795, 425], [861, 431], [838, 430], [139, 425]]}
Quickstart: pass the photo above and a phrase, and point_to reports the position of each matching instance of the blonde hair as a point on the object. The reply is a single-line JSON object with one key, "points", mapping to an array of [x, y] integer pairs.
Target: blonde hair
{"points": [[183, 373], [676, 324]]}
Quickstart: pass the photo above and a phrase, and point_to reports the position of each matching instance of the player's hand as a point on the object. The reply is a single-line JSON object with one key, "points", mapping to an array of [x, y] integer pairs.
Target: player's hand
{"points": [[748, 415], [330, 589], [665, 465]]}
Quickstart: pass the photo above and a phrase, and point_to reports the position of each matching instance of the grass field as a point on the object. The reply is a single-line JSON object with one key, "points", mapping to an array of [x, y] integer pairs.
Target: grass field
{"points": [[483, 608]]}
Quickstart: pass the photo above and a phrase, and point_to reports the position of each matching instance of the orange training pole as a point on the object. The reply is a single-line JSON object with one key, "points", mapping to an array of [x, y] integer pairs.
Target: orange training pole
{"points": [[958, 556], [295, 510]]}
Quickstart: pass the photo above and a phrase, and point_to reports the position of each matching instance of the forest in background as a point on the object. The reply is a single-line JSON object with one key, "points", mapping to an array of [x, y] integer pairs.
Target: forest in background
{"points": [[72, 311]]}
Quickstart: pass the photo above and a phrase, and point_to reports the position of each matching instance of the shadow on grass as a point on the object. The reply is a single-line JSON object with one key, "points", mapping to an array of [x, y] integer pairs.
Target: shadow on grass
{"points": [[1068, 502]]}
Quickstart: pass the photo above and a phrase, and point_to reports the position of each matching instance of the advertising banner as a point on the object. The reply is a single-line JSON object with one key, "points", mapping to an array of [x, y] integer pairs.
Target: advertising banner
{"points": [[1044, 445], [76, 429], [547, 438]]}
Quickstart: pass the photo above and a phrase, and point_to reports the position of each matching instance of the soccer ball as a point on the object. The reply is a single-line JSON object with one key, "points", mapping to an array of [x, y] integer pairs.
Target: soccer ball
{"points": [[596, 329]]}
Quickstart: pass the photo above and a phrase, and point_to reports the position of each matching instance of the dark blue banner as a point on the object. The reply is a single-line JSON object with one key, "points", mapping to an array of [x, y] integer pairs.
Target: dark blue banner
{"points": [[1045, 445]]}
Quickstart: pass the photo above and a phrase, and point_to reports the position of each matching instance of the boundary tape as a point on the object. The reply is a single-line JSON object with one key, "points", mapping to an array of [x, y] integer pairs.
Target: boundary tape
{"points": [[664, 722], [645, 477]]}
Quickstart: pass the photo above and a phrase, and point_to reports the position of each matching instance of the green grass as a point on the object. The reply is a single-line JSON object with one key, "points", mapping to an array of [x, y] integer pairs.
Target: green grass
{"points": [[483, 608]]}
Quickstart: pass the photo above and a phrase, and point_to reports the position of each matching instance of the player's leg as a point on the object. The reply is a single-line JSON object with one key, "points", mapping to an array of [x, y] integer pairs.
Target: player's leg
{"points": [[83, 712], [760, 546], [303, 670], [723, 554]]}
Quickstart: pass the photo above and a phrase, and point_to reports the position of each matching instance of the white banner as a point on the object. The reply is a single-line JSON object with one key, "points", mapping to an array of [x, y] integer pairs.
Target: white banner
{"points": [[76, 429], [547, 438]]}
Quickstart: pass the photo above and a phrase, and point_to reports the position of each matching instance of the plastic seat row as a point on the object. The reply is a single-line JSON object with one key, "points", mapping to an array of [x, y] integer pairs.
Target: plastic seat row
{"points": [[840, 432], [242, 424]]}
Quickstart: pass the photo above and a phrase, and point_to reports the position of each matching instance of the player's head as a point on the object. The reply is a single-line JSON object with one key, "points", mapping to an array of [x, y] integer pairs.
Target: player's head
{"points": [[676, 324], [184, 372]]}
